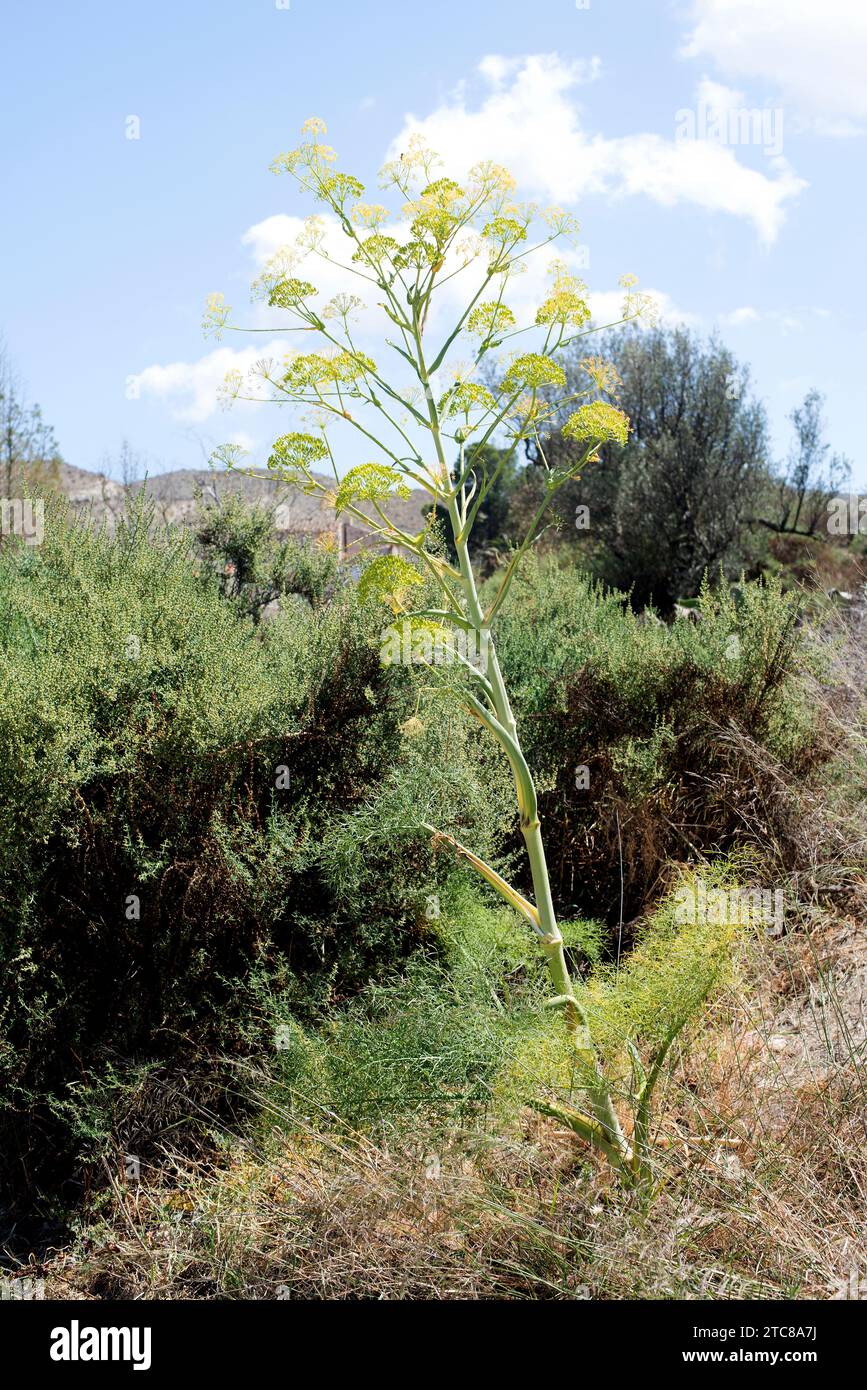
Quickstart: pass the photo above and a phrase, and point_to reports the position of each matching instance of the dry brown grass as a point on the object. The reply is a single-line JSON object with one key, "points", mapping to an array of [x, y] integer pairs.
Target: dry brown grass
{"points": [[762, 1166]]}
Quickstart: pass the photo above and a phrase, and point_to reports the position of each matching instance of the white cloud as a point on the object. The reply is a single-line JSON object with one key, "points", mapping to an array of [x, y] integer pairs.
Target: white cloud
{"points": [[607, 307], [268, 236], [814, 55], [718, 97], [536, 71], [708, 175], [192, 388], [528, 119], [787, 320], [737, 317]]}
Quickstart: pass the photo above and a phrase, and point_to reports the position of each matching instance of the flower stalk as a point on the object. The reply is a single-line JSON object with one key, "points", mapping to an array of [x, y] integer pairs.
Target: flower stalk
{"points": [[448, 230]]}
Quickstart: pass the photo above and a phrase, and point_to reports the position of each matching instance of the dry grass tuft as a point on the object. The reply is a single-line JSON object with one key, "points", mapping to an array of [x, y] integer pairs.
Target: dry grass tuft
{"points": [[762, 1168]]}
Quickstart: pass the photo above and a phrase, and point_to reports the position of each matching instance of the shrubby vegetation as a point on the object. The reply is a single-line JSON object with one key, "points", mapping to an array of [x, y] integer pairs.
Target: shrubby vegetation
{"points": [[676, 501], [232, 900], [29, 455], [253, 569], [305, 971], [185, 800], [464, 1033], [624, 717], [799, 497], [198, 814], [695, 490]]}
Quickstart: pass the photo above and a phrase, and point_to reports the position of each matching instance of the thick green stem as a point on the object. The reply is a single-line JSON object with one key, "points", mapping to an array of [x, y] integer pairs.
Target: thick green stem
{"points": [[614, 1142]]}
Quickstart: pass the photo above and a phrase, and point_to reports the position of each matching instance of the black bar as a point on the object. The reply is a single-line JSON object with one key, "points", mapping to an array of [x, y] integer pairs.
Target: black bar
{"points": [[225, 1338]]}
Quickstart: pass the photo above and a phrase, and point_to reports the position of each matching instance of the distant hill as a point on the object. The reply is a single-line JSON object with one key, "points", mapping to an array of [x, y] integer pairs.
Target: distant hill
{"points": [[176, 494]]}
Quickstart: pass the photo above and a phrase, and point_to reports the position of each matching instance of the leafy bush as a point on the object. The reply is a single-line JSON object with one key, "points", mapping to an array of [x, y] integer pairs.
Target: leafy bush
{"points": [[680, 499], [639, 729], [186, 798], [252, 568], [190, 803]]}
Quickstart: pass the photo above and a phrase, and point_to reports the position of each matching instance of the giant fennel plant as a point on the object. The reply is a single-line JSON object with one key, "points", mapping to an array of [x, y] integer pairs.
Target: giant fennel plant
{"points": [[435, 406]]}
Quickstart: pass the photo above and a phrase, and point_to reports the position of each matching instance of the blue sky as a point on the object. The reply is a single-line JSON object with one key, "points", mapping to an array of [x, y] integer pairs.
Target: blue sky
{"points": [[110, 245]]}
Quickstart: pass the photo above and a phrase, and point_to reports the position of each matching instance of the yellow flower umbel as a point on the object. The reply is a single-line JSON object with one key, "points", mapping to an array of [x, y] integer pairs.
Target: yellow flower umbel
{"points": [[490, 321], [567, 304], [297, 451], [318, 371], [597, 423], [465, 397], [531, 372], [290, 293], [604, 375], [216, 315], [389, 579], [370, 482], [636, 303]]}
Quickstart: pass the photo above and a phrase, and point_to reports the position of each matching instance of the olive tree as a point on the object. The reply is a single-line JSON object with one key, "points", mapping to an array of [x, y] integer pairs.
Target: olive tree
{"points": [[676, 503]]}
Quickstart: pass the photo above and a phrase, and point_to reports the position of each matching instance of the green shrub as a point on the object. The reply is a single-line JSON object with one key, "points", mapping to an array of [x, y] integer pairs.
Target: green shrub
{"points": [[467, 1036], [253, 568], [661, 719], [192, 807], [185, 798]]}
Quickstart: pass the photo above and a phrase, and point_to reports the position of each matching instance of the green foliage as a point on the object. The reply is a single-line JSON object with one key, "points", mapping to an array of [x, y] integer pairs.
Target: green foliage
{"points": [[389, 579], [599, 422], [678, 498], [635, 1012], [370, 482], [186, 798], [796, 502], [429, 1043], [660, 985], [646, 709], [416, 1045], [464, 1035], [29, 456], [143, 728], [252, 569]]}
